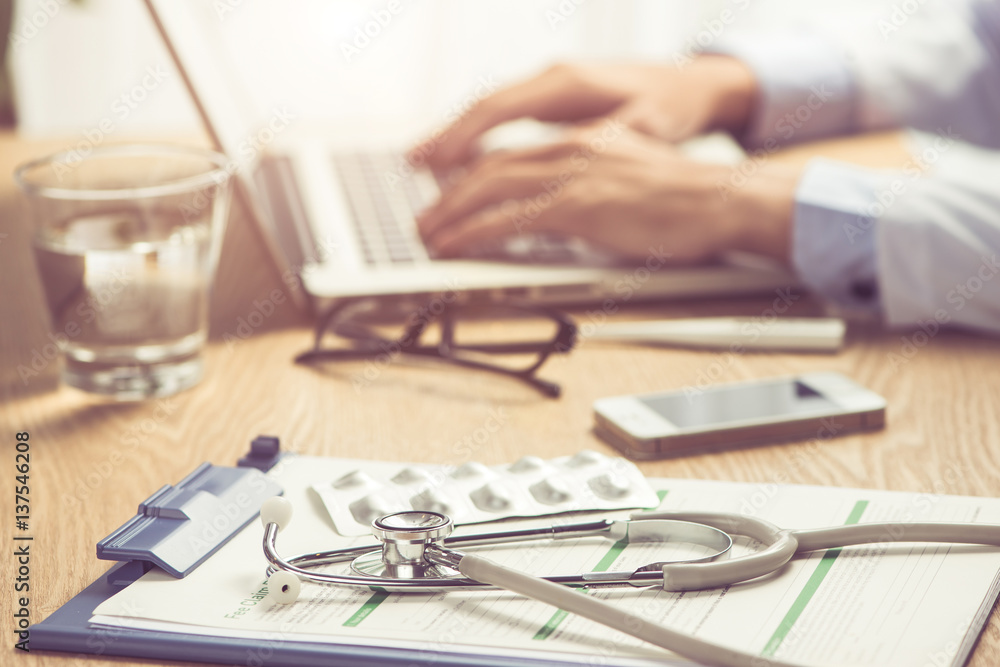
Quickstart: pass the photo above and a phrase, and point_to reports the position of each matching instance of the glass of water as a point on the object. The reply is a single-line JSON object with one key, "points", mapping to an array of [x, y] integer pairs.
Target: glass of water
{"points": [[126, 241]]}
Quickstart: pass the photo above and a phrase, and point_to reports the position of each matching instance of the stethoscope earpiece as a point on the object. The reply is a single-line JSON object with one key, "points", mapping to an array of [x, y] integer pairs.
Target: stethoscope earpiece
{"points": [[276, 510]]}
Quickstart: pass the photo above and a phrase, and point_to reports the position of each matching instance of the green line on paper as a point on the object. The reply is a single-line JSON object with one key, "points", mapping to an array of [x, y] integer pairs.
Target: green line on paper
{"points": [[366, 610], [825, 563], [616, 549], [855, 516], [602, 566], [551, 625]]}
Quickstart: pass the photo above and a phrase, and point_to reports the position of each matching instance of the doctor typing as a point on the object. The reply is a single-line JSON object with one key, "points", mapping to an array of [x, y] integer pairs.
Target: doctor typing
{"points": [[916, 246]]}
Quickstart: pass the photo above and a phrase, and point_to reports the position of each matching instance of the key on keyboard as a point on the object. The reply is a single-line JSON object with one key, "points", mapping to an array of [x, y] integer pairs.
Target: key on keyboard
{"points": [[383, 207]]}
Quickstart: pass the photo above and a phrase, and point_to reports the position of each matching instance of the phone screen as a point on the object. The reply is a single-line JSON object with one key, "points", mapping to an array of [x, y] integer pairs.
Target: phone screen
{"points": [[719, 406]]}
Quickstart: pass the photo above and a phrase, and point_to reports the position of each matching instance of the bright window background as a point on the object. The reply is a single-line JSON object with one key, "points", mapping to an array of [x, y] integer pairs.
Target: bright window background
{"points": [[71, 70]]}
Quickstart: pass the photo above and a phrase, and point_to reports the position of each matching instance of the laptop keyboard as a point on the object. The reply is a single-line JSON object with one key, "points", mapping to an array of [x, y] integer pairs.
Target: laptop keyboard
{"points": [[383, 206]]}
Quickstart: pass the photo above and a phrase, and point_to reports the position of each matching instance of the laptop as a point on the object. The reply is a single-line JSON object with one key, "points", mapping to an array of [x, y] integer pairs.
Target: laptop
{"points": [[339, 214]]}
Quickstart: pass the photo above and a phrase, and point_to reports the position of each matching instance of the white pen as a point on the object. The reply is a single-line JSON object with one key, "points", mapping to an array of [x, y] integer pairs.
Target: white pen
{"points": [[794, 334]]}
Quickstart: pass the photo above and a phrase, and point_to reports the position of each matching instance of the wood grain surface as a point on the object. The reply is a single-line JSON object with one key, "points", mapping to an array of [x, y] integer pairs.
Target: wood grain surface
{"points": [[93, 461]]}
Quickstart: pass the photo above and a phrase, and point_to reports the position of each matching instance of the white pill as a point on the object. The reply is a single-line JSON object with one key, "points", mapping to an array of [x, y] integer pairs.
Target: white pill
{"points": [[431, 501], [610, 486], [369, 508], [470, 469], [492, 497], [584, 459], [411, 475], [550, 491], [527, 464], [353, 480]]}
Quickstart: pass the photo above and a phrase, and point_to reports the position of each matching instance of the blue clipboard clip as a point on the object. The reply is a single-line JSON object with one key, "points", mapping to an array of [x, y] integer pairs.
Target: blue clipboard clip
{"points": [[180, 526]]}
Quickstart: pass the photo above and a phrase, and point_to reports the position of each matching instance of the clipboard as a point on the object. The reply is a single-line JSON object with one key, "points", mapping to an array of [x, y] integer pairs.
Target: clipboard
{"points": [[148, 539], [69, 629]]}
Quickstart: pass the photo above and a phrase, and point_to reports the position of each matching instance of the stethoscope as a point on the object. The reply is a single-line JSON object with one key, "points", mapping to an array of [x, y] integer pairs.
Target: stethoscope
{"points": [[416, 553]]}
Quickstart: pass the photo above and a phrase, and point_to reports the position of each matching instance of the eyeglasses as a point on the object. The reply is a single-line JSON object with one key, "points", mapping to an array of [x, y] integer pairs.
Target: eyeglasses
{"points": [[467, 337]]}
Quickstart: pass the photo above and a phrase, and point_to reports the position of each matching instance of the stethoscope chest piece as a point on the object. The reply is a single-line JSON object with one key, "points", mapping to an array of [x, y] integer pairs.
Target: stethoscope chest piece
{"points": [[405, 537]]}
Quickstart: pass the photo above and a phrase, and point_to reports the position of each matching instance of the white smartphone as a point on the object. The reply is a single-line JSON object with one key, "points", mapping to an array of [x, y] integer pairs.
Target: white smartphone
{"points": [[814, 405]]}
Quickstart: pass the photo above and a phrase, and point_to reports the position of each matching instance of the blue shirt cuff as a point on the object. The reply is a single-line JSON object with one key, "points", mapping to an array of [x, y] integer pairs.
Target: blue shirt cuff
{"points": [[806, 89], [834, 234]]}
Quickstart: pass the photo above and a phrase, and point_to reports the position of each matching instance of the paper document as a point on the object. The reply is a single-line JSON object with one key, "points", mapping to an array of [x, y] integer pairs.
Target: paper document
{"points": [[880, 605]]}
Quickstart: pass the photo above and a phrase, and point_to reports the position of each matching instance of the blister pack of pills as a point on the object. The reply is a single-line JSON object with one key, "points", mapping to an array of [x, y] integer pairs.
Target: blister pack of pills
{"points": [[476, 493]]}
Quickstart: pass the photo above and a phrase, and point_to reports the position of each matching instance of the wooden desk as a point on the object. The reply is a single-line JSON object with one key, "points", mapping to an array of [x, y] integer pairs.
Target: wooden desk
{"points": [[92, 461]]}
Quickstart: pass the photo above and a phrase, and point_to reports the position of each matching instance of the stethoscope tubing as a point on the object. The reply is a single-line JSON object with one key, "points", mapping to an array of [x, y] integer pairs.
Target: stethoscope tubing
{"points": [[780, 546]]}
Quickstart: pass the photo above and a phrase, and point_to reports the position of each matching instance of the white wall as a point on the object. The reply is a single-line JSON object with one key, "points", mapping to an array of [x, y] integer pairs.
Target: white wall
{"points": [[74, 62]]}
